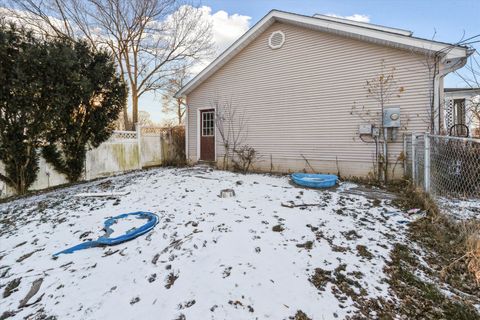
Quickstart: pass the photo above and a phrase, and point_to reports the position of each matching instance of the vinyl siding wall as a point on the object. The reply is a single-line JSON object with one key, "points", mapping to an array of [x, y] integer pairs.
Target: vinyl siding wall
{"points": [[298, 99]]}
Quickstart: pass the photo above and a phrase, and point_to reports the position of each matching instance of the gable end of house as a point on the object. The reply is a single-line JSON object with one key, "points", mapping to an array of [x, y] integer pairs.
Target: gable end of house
{"points": [[451, 55]]}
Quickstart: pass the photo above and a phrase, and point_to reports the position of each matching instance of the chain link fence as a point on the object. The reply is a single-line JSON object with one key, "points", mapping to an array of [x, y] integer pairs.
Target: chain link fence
{"points": [[414, 150], [407, 152], [419, 161], [455, 167], [445, 167]]}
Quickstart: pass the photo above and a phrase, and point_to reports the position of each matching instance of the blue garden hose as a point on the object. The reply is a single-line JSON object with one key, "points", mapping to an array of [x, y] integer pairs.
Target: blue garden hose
{"points": [[129, 235]]}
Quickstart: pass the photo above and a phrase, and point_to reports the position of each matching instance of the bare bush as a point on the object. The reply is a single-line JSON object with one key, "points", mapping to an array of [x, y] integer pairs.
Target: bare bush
{"points": [[173, 146], [245, 157], [232, 128], [468, 235], [473, 252], [472, 248]]}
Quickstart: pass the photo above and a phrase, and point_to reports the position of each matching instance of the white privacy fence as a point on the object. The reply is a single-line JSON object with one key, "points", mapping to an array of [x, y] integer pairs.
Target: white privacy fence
{"points": [[124, 151], [444, 166], [151, 143]]}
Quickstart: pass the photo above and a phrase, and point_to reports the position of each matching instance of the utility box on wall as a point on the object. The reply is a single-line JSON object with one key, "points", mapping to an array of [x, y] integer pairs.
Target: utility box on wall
{"points": [[365, 129], [391, 117]]}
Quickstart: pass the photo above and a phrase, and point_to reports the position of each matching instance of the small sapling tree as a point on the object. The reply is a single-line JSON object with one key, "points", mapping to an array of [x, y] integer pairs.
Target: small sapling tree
{"points": [[232, 127], [381, 88]]}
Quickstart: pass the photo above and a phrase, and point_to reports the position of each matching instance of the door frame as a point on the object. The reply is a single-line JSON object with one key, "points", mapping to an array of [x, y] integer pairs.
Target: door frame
{"points": [[199, 115]]}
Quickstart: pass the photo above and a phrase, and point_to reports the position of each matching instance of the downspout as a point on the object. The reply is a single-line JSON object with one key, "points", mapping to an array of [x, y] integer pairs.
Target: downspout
{"points": [[445, 66], [186, 129], [436, 97]]}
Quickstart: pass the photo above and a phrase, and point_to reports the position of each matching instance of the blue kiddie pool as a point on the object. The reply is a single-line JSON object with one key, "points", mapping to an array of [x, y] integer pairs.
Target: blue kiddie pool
{"points": [[313, 180], [151, 220]]}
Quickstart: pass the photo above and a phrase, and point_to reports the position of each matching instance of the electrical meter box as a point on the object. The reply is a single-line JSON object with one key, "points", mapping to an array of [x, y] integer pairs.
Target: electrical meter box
{"points": [[391, 117], [365, 128]]}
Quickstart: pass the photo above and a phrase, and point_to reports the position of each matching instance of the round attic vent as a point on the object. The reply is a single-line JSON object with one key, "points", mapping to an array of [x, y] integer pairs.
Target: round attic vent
{"points": [[276, 40]]}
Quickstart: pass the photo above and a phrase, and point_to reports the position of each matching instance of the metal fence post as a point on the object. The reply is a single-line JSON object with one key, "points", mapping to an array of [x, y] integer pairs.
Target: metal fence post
{"points": [[404, 155], [414, 159], [427, 163]]}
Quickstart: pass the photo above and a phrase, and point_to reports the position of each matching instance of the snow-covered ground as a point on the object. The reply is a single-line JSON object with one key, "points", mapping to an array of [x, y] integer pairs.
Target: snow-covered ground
{"points": [[460, 209], [208, 257]]}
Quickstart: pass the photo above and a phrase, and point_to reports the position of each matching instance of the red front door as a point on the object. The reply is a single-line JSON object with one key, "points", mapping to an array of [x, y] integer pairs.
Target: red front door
{"points": [[207, 135]]}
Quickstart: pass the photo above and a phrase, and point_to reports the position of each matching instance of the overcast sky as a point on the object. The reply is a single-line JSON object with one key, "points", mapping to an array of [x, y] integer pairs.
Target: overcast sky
{"points": [[448, 20]]}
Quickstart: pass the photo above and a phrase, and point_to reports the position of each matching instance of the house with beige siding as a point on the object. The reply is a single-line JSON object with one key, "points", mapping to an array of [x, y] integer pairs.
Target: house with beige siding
{"points": [[300, 88]]}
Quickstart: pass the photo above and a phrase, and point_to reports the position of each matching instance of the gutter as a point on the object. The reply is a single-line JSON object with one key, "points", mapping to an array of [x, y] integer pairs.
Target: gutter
{"points": [[187, 156], [444, 67]]}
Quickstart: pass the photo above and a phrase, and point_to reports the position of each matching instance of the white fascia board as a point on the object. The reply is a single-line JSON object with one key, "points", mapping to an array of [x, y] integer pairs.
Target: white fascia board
{"points": [[462, 94], [448, 51]]}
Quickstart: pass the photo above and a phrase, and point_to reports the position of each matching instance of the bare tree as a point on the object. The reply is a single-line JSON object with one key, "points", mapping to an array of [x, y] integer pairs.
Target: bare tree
{"points": [[232, 128], [170, 103], [144, 119], [119, 124], [148, 38], [382, 88], [474, 114]]}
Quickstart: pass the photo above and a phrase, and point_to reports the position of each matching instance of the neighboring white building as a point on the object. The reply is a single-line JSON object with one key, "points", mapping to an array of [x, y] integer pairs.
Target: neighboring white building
{"points": [[462, 109]]}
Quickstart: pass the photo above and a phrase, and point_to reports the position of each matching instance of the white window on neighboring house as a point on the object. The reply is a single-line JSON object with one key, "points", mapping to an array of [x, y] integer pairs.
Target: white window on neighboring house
{"points": [[459, 116]]}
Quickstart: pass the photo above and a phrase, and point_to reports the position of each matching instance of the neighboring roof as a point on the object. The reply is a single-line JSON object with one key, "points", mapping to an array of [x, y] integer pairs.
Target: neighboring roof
{"points": [[453, 93], [461, 89], [364, 24], [396, 38]]}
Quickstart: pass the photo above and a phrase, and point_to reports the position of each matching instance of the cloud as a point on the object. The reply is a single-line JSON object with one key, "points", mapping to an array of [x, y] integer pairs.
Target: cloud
{"points": [[354, 17], [226, 28]]}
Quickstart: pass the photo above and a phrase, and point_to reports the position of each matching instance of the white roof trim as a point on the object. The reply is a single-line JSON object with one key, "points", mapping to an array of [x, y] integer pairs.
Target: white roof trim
{"points": [[364, 24], [466, 92], [376, 35]]}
